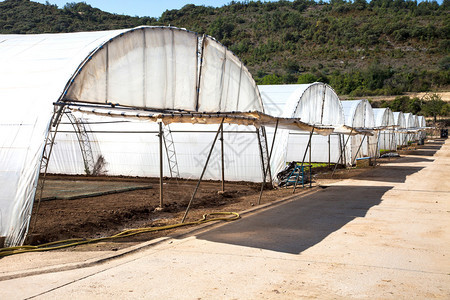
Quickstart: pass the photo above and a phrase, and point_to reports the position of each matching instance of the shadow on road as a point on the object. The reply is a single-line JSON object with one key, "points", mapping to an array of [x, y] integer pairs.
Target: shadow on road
{"points": [[435, 146], [422, 152], [295, 226], [412, 159], [390, 173]]}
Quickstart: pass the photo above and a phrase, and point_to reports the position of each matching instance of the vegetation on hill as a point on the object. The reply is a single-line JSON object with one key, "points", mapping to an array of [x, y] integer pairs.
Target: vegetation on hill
{"points": [[381, 47], [431, 105]]}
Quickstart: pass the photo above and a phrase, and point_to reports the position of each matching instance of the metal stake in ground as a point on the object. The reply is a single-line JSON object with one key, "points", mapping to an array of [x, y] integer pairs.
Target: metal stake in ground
{"points": [[222, 158], [310, 163], [345, 144], [329, 151], [50, 141], [268, 163], [377, 149], [203, 172], [160, 135], [356, 154], [261, 153]]}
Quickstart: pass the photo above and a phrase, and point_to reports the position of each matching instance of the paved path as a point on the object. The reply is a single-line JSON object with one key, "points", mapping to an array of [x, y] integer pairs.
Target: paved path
{"points": [[385, 235]]}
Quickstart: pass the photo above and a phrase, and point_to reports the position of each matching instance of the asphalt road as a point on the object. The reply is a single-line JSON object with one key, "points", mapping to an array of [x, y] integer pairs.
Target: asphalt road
{"points": [[383, 235]]}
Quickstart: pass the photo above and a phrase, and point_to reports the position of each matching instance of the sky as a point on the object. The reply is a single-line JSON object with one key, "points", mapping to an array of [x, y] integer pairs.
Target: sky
{"points": [[141, 8]]}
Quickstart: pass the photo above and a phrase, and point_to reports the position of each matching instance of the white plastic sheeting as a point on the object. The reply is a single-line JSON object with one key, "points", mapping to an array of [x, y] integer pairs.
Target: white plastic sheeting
{"points": [[359, 115], [165, 68], [131, 148], [422, 126], [400, 122], [417, 126], [421, 121], [145, 67], [411, 127], [316, 104], [384, 121], [35, 69]]}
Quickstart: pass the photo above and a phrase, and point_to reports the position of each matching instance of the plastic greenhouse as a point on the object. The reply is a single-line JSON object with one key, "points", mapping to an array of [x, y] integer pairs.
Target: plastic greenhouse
{"points": [[316, 104], [400, 122], [359, 115], [411, 129], [422, 126], [384, 121], [162, 75]]}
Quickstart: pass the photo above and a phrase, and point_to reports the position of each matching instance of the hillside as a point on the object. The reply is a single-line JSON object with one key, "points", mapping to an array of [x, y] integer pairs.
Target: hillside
{"points": [[382, 47]]}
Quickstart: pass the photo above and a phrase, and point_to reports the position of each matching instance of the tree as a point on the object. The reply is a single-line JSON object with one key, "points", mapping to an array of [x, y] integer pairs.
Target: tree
{"points": [[433, 105], [414, 105]]}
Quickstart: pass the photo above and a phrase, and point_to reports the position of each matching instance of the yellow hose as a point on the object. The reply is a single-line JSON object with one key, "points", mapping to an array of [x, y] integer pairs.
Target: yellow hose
{"points": [[126, 233]]}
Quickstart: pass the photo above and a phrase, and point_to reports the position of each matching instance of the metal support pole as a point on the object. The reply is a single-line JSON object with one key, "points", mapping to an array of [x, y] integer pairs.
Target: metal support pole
{"points": [[329, 151], [261, 154], [222, 158], [351, 131], [356, 154], [393, 142], [161, 197], [50, 141], [310, 165], [268, 163], [376, 150], [264, 134], [344, 154], [340, 148], [395, 139], [203, 172], [303, 160]]}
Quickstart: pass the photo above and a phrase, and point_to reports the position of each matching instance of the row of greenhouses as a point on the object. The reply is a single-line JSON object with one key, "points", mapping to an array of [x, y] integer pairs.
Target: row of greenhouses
{"points": [[164, 102]]}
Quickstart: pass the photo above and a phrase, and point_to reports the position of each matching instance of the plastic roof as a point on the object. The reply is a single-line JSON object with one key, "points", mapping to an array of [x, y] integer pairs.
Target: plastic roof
{"points": [[358, 114], [399, 119], [410, 120], [383, 117], [416, 121], [171, 68], [315, 104], [421, 121]]}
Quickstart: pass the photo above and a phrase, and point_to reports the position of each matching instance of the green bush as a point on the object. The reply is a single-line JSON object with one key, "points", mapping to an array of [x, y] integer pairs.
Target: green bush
{"points": [[307, 78]]}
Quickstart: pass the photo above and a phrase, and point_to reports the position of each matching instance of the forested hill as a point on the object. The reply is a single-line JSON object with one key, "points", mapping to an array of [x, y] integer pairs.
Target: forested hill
{"points": [[361, 48]]}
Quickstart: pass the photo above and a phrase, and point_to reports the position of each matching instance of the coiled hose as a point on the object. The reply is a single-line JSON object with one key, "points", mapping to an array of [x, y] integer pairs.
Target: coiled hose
{"points": [[126, 233]]}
